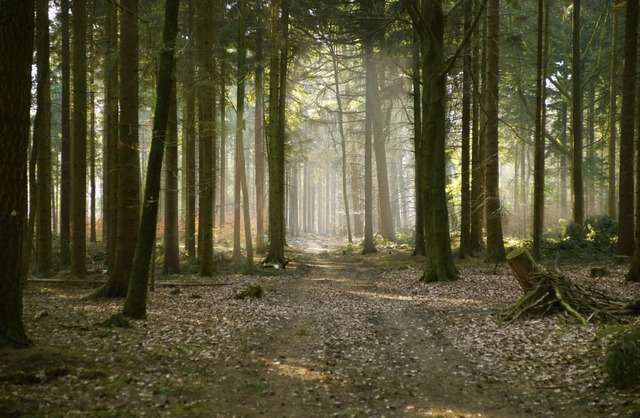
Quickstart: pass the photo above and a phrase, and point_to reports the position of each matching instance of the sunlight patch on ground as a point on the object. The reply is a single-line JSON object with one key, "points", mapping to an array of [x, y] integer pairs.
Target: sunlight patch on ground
{"points": [[387, 296], [302, 371], [440, 412]]}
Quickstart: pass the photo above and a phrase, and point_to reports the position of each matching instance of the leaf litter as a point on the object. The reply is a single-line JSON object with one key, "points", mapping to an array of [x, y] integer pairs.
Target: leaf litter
{"points": [[332, 335]]}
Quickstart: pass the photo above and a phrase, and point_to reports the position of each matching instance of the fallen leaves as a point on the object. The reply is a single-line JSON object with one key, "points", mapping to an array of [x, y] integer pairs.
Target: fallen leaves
{"points": [[338, 337]]}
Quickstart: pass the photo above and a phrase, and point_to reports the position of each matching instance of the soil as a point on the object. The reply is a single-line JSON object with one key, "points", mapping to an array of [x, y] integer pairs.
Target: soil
{"points": [[334, 335]]}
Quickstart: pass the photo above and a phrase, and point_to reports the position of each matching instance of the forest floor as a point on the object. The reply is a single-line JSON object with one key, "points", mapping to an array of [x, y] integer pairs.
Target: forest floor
{"points": [[336, 334]]}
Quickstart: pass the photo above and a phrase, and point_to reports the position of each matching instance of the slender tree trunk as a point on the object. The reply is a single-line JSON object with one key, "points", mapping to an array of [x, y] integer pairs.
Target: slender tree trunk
{"points": [[223, 139], [539, 178], [576, 118], [135, 305], [65, 139], [629, 113], [343, 139], [111, 135], [613, 110], [626, 190], [419, 249], [495, 243], [206, 134], [240, 169], [259, 139], [369, 245], [276, 144], [465, 198], [477, 150], [17, 19], [128, 158], [171, 262], [79, 142], [42, 139], [189, 144]]}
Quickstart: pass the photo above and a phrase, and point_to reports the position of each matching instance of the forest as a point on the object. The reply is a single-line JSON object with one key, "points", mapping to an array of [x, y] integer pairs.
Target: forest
{"points": [[319, 208]]}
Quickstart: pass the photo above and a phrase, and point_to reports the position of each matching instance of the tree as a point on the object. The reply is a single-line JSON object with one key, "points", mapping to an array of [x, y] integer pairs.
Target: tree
{"points": [[613, 109], [630, 81], [240, 169], [79, 141], [136, 302], [370, 83], [577, 118], [627, 118], [110, 138], [171, 259], [259, 136], [65, 139], [278, 59], [128, 212], [428, 21], [419, 248], [495, 243], [465, 192], [538, 183], [16, 48], [206, 134], [42, 139]]}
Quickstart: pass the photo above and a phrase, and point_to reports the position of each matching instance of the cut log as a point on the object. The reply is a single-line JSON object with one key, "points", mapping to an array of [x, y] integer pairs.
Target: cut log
{"points": [[525, 268]]}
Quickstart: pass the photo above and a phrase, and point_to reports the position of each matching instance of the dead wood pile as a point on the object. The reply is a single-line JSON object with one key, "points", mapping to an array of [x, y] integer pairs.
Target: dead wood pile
{"points": [[551, 292]]}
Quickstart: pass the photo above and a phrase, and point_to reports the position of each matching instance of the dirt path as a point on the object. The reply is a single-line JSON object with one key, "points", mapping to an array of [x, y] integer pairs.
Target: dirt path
{"points": [[377, 355], [334, 336]]}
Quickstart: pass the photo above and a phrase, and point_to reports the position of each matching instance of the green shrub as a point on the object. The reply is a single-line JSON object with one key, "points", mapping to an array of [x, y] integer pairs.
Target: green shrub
{"points": [[623, 360]]}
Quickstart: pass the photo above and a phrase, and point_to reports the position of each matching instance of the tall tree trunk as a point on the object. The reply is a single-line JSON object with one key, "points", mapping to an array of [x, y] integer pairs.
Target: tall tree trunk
{"points": [[627, 135], [629, 111], [259, 140], [428, 21], [613, 110], [128, 159], [110, 138], [136, 303], [42, 138], [206, 119], [465, 192], [189, 143], [276, 144], [369, 245], [17, 19], [65, 139], [240, 169], [576, 118], [171, 261], [538, 169], [79, 141], [419, 249], [343, 139], [223, 139], [495, 243]]}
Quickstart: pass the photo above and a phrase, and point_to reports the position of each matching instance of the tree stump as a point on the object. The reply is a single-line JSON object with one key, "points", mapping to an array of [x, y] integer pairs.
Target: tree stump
{"points": [[524, 266]]}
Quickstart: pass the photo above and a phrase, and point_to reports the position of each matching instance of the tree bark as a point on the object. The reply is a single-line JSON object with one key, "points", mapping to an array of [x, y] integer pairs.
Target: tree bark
{"points": [[79, 141], [17, 19], [135, 305], [128, 158], [626, 241], [277, 100], [495, 243], [465, 192], [206, 119], [42, 139], [577, 118], [629, 111], [65, 139], [171, 259], [259, 138]]}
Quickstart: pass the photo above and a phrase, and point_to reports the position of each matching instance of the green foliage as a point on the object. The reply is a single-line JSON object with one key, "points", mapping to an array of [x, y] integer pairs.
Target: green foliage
{"points": [[623, 360], [595, 239]]}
